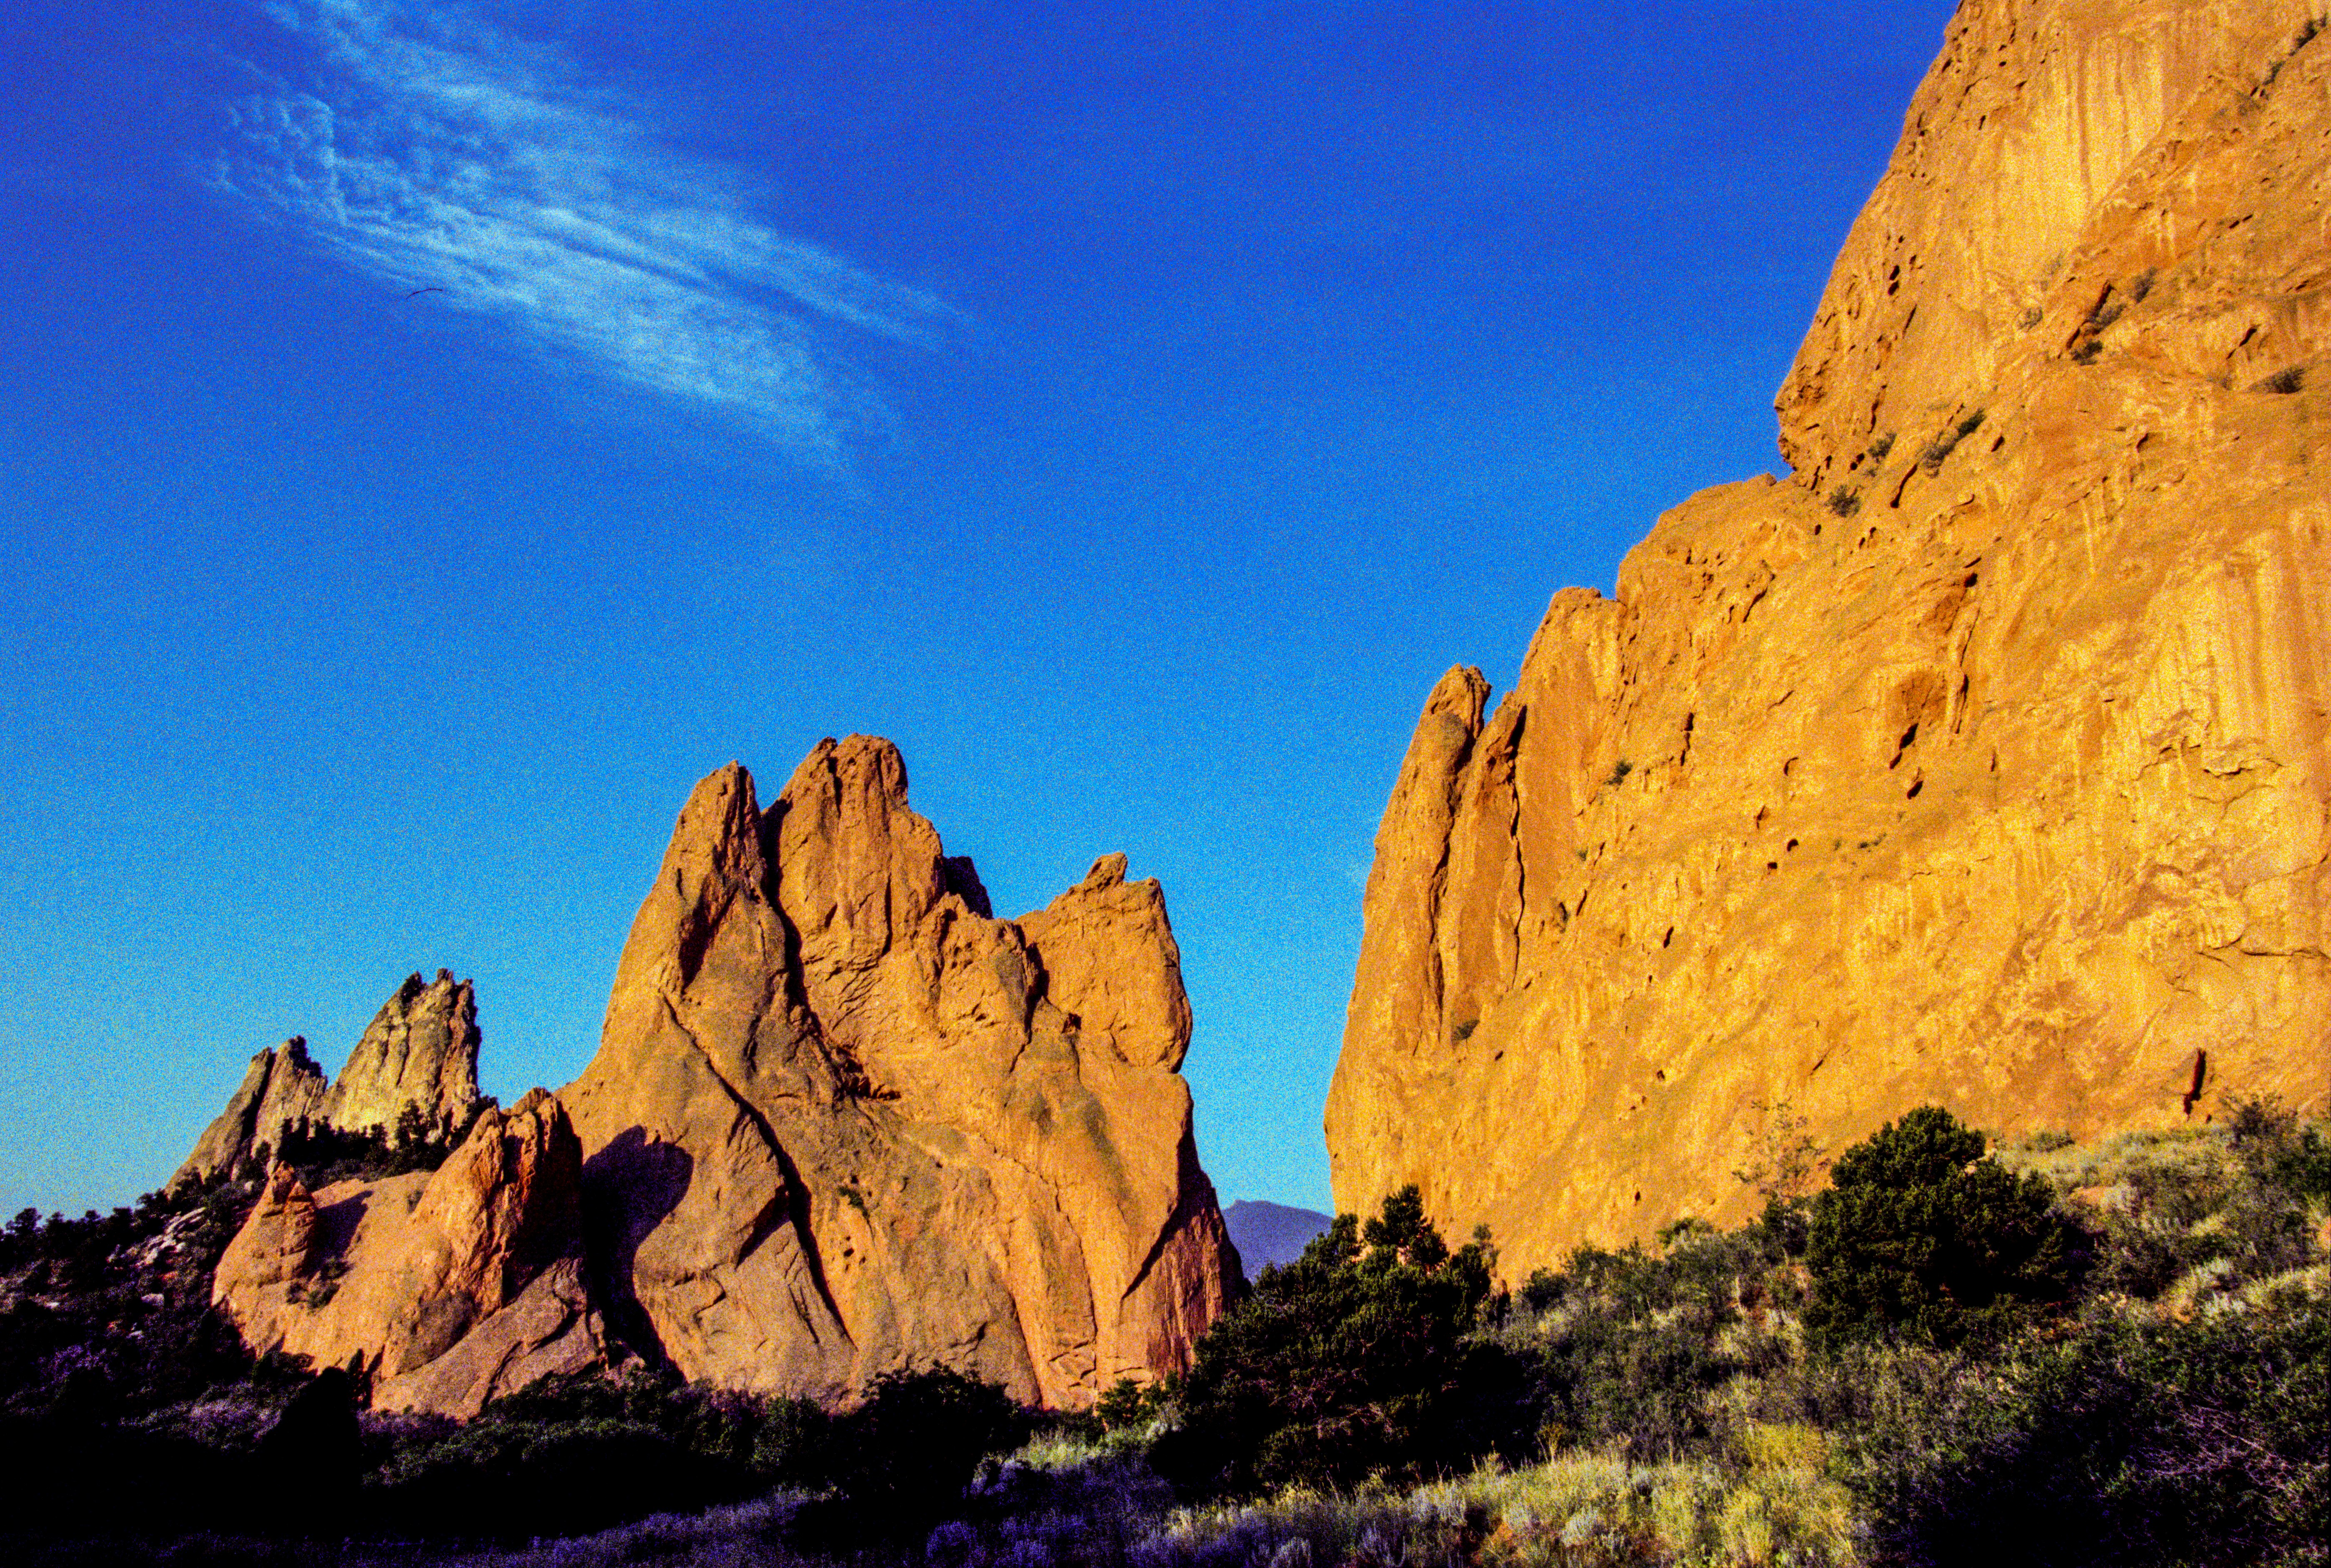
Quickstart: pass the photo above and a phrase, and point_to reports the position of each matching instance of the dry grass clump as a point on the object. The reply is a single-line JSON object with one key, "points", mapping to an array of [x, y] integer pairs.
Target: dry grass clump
{"points": [[1775, 1503]]}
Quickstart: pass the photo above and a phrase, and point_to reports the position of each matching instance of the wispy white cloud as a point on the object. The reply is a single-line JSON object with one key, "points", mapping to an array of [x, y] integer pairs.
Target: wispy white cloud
{"points": [[431, 151]]}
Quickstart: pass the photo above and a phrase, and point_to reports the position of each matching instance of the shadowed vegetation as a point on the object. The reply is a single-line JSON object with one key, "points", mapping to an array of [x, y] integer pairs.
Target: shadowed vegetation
{"points": [[2049, 1352]]}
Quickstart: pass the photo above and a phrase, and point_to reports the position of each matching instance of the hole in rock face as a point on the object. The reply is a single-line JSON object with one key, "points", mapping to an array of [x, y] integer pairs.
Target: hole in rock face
{"points": [[1790, 845], [1668, 937], [1915, 786]]}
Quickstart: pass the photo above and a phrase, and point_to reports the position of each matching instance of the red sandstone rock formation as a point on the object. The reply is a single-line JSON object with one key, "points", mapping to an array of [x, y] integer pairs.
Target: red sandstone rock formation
{"points": [[844, 1122], [449, 1287], [1984, 763], [419, 1056]]}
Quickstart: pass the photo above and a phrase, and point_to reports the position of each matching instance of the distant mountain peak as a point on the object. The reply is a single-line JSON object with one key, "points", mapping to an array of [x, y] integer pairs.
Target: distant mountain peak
{"points": [[1271, 1233]]}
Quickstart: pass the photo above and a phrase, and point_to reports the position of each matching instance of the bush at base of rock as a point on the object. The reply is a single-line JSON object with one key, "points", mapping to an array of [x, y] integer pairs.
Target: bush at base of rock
{"points": [[1358, 1358], [2203, 1441], [900, 1463], [1921, 1236], [515, 1481]]}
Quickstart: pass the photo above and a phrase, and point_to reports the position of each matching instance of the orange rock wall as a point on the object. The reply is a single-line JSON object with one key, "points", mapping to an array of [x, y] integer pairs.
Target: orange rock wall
{"points": [[1984, 768]]}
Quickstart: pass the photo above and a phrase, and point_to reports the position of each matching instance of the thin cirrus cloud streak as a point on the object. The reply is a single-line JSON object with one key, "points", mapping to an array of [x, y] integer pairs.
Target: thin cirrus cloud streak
{"points": [[458, 161]]}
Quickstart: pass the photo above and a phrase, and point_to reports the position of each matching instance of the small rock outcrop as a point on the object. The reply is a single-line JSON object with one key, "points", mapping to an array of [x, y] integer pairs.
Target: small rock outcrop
{"points": [[420, 1051], [844, 1122], [283, 1086], [418, 1059], [445, 1288], [1987, 762]]}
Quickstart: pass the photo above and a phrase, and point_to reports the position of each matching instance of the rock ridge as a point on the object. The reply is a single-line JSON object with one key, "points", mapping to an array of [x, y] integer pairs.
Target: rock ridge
{"points": [[842, 1122], [414, 1067]]}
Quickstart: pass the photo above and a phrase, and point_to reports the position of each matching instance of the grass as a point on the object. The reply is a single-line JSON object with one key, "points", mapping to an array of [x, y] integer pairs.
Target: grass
{"points": [[1774, 1501], [1943, 445]]}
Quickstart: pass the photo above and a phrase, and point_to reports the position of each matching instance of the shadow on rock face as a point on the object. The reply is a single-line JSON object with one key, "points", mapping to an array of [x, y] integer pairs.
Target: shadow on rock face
{"points": [[628, 1189]]}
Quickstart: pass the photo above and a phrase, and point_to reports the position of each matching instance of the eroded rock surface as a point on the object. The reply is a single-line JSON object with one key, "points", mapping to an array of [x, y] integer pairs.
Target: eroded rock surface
{"points": [[415, 1067], [448, 1287], [420, 1051], [844, 1122], [1984, 763], [283, 1085]]}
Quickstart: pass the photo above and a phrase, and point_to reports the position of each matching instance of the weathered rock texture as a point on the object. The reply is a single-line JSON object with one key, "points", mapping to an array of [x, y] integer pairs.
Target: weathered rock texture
{"points": [[844, 1122], [449, 1287], [419, 1055], [420, 1050], [283, 1085], [1982, 764]]}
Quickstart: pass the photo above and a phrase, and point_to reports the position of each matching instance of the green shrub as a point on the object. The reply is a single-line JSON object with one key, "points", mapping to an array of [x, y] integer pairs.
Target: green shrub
{"points": [[514, 1479], [108, 1317], [915, 1441], [1352, 1360], [1923, 1237], [1128, 1403], [1632, 1348], [1943, 445], [2198, 1442]]}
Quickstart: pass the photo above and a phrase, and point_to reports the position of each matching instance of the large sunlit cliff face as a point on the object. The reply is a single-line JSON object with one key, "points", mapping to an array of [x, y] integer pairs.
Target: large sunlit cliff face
{"points": [[1984, 763]]}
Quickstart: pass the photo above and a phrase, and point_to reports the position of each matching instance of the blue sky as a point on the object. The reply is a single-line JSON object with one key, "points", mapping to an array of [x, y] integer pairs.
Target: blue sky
{"points": [[1130, 410]]}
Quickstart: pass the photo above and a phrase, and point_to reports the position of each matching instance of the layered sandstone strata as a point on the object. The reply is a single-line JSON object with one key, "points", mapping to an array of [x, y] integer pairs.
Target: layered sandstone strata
{"points": [[1982, 764], [844, 1122]]}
